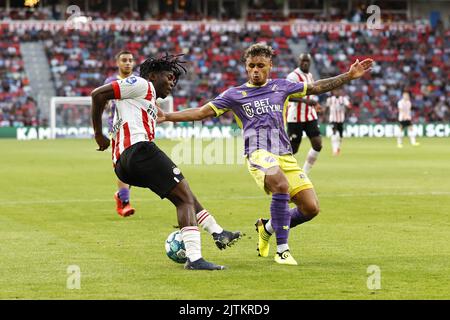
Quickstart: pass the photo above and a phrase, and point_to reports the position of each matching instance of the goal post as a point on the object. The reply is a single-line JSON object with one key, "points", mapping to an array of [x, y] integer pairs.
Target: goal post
{"points": [[54, 101], [78, 110]]}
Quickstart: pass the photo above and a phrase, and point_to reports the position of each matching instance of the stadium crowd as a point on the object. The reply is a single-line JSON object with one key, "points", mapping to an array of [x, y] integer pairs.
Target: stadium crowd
{"points": [[406, 60], [17, 106], [80, 61]]}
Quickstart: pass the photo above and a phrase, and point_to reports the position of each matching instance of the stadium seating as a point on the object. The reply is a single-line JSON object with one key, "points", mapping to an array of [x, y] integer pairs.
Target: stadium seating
{"points": [[17, 107], [80, 61]]}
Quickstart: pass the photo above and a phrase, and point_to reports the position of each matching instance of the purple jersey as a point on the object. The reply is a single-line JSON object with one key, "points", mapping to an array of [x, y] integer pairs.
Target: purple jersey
{"points": [[261, 112]]}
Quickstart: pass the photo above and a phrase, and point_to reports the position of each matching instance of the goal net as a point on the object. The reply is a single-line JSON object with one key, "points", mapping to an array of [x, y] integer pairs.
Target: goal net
{"points": [[70, 117]]}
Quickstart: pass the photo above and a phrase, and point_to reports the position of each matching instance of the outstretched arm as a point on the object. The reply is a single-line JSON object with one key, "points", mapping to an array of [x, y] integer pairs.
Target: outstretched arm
{"points": [[193, 114], [357, 70], [100, 97]]}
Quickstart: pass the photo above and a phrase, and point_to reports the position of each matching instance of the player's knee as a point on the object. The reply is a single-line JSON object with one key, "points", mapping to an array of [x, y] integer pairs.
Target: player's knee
{"points": [[317, 146], [182, 195], [279, 187], [311, 210]]}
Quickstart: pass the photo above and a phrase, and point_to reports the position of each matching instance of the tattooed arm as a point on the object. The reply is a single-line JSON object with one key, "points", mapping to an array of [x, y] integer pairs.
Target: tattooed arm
{"points": [[357, 70]]}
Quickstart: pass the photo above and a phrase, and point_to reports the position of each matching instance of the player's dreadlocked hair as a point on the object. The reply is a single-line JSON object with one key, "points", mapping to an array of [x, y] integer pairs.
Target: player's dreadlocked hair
{"points": [[165, 63], [258, 49]]}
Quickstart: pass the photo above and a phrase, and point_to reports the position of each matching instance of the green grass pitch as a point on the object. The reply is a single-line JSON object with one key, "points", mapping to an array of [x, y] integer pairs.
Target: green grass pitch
{"points": [[380, 206]]}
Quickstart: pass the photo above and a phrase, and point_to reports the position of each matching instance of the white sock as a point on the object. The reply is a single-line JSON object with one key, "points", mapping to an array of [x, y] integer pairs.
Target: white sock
{"points": [[400, 138], [310, 159], [335, 142], [282, 247], [412, 136], [208, 223], [269, 227], [192, 242]]}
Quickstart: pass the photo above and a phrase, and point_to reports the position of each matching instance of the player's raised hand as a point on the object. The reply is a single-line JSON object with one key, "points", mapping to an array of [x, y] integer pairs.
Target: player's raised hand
{"points": [[102, 141], [358, 69]]}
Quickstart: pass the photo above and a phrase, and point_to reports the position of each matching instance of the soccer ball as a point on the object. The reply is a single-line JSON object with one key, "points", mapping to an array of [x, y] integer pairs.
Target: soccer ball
{"points": [[175, 249]]}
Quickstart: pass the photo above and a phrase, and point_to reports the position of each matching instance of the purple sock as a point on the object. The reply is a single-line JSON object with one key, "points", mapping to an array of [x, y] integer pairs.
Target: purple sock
{"points": [[279, 211], [297, 217], [124, 194]]}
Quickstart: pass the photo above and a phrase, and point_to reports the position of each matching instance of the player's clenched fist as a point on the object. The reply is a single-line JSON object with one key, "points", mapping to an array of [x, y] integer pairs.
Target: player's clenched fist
{"points": [[102, 141]]}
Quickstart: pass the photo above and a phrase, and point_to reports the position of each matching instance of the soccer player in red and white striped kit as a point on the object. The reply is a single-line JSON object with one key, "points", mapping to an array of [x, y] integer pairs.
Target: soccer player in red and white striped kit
{"points": [[302, 114], [139, 162], [337, 104]]}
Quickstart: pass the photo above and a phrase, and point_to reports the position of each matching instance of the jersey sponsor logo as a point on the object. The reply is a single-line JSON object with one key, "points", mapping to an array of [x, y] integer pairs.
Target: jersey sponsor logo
{"points": [[259, 107], [248, 110], [131, 80]]}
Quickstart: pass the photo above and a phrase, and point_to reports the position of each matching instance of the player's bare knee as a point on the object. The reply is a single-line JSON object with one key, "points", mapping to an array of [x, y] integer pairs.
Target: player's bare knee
{"points": [[182, 195], [279, 186], [311, 210], [317, 147]]}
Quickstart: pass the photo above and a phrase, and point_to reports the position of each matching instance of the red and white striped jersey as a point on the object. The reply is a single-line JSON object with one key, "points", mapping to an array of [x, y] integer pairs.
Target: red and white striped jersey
{"points": [[404, 110], [136, 113], [301, 111], [337, 107]]}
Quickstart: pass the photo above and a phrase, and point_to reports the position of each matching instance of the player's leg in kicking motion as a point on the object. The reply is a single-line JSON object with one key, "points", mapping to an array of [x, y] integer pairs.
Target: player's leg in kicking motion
{"points": [[287, 179], [277, 183], [122, 197], [307, 207], [222, 238], [183, 199]]}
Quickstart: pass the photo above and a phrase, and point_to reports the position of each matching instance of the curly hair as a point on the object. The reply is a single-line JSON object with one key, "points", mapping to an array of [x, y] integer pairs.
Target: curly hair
{"points": [[258, 49], [165, 63]]}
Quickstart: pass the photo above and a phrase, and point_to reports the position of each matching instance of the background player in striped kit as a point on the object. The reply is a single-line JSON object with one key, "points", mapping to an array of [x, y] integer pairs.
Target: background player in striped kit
{"points": [[337, 104], [302, 114], [125, 63], [139, 162], [404, 118]]}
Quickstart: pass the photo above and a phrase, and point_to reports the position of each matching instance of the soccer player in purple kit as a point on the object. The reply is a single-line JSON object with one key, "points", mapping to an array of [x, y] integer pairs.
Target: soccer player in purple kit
{"points": [[125, 64], [259, 106]]}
